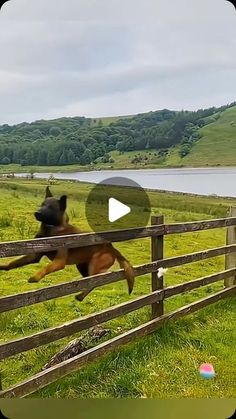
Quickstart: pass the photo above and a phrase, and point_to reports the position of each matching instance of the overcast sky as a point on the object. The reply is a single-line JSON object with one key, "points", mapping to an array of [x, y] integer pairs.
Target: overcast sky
{"points": [[114, 57]]}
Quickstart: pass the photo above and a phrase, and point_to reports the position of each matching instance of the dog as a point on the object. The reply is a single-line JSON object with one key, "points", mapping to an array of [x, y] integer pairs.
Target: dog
{"points": [[89, 260]]}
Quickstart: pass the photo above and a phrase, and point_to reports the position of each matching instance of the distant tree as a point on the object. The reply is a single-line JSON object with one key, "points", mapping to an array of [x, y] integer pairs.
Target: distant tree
{"points": [[29, 157], [5, 160], [184, 150], [55, 131], [71, 157], [86, 158], [52, 158], [201, 122], [16, 156], [119, 146], [63, 158], [42, 157], [36, 134], [105, 158], [195, 136]]}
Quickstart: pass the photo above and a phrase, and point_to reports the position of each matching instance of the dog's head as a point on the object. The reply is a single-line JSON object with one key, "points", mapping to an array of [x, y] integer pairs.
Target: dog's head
{"points": [[52, 210]]}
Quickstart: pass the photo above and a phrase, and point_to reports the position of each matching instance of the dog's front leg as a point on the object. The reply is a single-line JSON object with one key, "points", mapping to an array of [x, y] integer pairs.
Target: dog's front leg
{"points": [[22, 261], [58, 263]]}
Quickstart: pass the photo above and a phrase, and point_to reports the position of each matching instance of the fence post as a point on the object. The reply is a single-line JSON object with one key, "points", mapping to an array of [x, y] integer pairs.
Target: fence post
{"points": [[230, 259], [157, 253]]}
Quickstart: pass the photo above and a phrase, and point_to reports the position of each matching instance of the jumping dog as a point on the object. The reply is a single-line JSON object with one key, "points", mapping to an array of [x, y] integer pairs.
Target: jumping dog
{"points": [[89, 260]]}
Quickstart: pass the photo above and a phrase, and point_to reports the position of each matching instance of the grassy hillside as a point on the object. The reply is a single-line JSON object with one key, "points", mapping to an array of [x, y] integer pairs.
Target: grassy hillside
{"points": [[164, 364], [216, 147], [218, 143]]}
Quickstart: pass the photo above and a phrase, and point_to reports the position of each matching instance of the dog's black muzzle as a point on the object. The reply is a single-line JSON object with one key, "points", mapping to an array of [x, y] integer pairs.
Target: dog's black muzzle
{"points": [[39, 216]]}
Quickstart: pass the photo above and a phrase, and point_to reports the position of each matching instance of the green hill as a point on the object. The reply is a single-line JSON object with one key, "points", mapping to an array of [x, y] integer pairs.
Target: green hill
{"points": [[217, 145]]}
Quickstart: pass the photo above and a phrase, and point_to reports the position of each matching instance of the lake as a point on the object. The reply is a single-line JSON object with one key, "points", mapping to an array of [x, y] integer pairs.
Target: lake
{"points": [[203, 181]]}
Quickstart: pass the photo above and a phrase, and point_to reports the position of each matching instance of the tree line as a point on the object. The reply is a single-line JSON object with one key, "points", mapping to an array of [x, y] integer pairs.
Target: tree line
{"points": [[84, 141]]}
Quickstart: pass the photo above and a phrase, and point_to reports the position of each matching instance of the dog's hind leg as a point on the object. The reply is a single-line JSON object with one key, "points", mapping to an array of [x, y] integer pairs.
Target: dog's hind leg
{"points": [[22, 261], [99, 263], [83, 269]]}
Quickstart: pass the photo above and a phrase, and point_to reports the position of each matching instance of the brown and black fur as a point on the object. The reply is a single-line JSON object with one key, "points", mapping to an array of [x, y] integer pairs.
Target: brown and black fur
{"points": [[90, 260]]}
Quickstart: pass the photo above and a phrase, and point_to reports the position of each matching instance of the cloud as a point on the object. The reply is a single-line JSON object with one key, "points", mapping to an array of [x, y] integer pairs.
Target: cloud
{"points": [[106, 57]]}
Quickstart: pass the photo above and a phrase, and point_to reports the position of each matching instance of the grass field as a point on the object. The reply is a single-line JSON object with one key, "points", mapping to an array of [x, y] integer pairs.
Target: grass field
{"points": [[164, 364]]}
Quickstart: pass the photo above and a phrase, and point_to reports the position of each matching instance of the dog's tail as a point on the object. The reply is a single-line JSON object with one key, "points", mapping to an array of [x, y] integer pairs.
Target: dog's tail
{"points": [[129, 271]]}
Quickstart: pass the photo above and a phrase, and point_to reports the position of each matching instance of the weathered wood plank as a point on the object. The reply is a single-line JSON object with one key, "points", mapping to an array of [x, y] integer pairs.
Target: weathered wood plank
{"points": [[199, 225], [50, 335], [157, 253], [197, 283], [195, 257], [51, 375], [25, 247], [230, 260], [27, 298], [45, 294]]}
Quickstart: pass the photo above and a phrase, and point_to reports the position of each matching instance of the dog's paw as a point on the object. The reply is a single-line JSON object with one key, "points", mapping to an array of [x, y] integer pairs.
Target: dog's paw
{"points": [[32, 280]]}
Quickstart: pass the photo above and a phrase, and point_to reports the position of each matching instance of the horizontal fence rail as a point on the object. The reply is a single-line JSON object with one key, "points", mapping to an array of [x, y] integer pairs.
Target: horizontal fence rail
{"points": [[50, 335], [52, 374], [33, 297], [25, 247]]}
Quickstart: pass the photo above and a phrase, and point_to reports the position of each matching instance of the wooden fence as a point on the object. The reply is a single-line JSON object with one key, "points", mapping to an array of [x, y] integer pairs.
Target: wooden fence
{"points": [[156, 298]]}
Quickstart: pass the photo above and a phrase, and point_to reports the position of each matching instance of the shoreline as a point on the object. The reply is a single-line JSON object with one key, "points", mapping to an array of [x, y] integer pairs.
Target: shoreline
{"points": [[74, 168], [150, 190]]}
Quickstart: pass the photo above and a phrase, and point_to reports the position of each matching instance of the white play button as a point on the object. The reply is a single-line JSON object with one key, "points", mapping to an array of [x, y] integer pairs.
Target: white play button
{"points": [[117, 210], [117, 203]]}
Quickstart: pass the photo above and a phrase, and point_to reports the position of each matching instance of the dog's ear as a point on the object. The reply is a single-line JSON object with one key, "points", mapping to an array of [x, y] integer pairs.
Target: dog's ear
{"points": [[63, 202], [48, 193]]}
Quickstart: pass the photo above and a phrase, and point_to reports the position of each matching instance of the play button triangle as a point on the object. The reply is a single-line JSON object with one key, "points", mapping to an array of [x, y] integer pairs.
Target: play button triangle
{"points": [[117, 210]]}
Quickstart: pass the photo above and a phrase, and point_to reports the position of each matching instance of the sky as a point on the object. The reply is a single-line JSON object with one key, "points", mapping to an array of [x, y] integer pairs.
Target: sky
{"points": [[98, 58]]}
